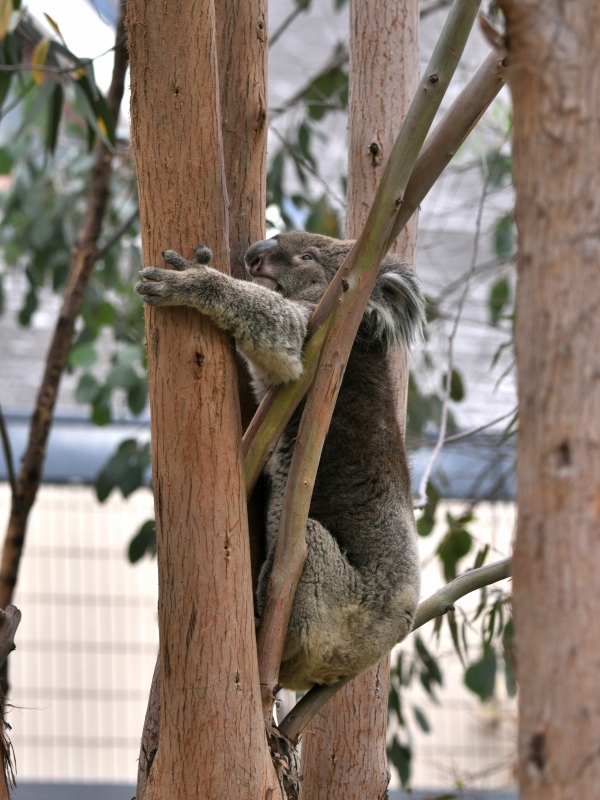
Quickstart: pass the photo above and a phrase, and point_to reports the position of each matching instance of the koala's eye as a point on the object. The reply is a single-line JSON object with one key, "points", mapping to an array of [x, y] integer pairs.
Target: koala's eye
{"points": [[307, 257]]}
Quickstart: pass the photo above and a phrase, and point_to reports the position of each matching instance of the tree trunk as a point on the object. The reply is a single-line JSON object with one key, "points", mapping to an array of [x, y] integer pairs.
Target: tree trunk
{"points": [[242, 50], [344, 748], [554, 75], [212, 738]]}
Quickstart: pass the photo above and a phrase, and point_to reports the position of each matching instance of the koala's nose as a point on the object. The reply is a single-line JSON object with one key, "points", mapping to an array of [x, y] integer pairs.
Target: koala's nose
{"points": [[256, 254]]}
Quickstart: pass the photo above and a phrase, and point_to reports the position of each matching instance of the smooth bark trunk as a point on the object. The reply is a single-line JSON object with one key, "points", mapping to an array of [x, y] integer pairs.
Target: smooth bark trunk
{"points": [[212, 739], [344, 747], [242, 52], [554, 76]]}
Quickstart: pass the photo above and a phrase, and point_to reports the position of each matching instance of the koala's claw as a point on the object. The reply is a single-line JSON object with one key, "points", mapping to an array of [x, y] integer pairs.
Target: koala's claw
{"points": [[177, 261], [203, 254]]}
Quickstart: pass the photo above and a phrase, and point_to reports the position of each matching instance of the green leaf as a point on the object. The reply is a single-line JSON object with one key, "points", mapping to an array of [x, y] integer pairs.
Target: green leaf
{"points": [[143, 542], [54, 115], [480, 677], [498, 168], [508, 644], [304, 134], [87, 389], [275, 180], [323, 219], [90, 110], [327, 92], [5, 81], [504, 240], [42, 97], [400, 756], [6, 161], [125, 469], [29, 306], [481, 557], [129, 355], [455, 545], [122, 376], [426, 522], [83, 356], [454, 633], [137, 396], [431, 673], [457, 389], [499, 297], [421, 719], [394, 704]]}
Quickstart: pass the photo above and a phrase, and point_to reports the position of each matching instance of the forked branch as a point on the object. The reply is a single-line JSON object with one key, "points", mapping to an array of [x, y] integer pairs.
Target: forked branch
{"points": [[279, 404]]}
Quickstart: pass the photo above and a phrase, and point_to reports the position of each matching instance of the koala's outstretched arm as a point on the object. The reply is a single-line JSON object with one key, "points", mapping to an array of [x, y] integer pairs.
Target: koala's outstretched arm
{"points": [[268, 328]]}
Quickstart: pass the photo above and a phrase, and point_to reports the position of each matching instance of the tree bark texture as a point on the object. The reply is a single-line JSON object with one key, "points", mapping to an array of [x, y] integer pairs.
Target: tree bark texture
{"points": [[242, 52], [212, 739], [344, 747], [82, 265], [554, 76]]}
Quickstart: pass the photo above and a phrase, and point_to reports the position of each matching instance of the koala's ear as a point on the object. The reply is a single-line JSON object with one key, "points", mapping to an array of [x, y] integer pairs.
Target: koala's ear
{"points": [[203, 254]]}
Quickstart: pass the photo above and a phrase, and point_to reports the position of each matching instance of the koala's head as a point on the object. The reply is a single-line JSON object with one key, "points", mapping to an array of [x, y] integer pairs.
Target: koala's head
{"points": [[299, 265]]}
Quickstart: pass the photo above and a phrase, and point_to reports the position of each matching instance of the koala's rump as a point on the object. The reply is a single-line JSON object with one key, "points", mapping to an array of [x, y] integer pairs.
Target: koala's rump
{"points": [[339, 626]]}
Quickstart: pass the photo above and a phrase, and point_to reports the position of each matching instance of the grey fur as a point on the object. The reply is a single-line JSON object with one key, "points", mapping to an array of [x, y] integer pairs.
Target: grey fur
{"points": [[360, 585]]}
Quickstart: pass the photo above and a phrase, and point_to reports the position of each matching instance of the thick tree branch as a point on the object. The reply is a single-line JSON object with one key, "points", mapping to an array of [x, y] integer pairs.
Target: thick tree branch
{"points": [[279, 404], [341, 322], [82, 265], [435, 606]]}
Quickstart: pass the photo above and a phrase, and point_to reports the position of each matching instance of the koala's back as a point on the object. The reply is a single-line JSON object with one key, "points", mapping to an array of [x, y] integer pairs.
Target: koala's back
{"points": [[360, 586]]}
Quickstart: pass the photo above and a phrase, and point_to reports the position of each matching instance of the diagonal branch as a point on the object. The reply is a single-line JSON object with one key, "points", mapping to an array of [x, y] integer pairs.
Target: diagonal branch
{"points": [[340, 323], [82, 265], [435, 606], [279, 404], [8, 455]]}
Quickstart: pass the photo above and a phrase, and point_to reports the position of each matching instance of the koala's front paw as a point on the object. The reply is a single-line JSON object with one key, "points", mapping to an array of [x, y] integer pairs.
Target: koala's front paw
{"points": [[202, 256], [160, 287]]}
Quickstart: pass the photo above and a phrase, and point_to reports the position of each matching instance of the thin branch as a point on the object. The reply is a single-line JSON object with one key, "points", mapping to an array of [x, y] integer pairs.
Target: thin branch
{"points": [[308, 167], [18, 99], [8, 455], [79, 63], [333, 64], [300, 8], [339, 314], [117, 234], [457, 436], [435, 606], [421, 499], [442, 601]]}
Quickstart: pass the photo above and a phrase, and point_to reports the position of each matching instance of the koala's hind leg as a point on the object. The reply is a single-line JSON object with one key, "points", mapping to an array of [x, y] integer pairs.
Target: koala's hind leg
{"points": [[328, 617]]}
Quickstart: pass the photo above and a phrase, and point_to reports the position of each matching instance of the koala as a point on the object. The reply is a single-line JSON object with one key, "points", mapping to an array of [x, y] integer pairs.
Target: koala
{"points": [[360, 585]]}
